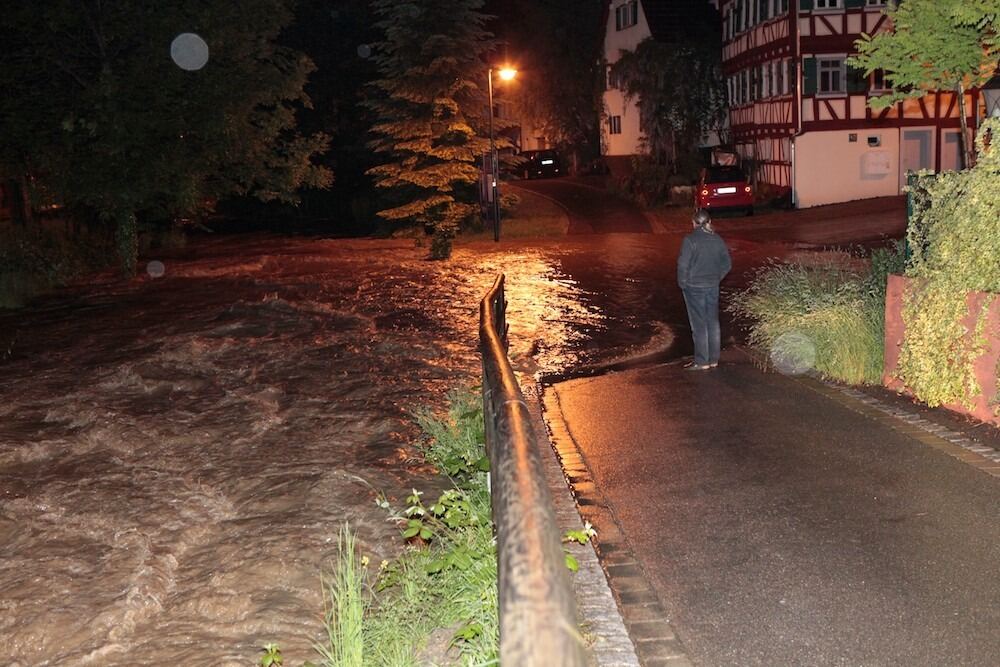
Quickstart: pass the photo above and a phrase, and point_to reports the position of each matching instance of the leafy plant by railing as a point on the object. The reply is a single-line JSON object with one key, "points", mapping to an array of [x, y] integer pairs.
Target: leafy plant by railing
{"points": [[445, 583], [954, 239]]}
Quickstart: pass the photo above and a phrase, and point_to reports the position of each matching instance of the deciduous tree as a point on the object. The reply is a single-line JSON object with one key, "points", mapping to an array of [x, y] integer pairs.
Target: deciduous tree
{"points": [[95, 107], [679, 90], [934, 45], [560, 89]]}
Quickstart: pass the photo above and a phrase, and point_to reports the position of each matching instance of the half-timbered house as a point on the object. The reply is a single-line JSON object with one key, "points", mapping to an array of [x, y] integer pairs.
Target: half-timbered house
{"points": [[799, 115]]}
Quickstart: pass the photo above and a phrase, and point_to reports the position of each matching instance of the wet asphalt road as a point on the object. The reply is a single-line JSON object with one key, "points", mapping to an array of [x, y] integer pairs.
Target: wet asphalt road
{"points": [[778, 527], [590, 210]]}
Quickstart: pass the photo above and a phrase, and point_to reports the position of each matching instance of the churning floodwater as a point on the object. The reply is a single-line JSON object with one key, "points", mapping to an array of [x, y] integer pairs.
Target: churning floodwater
{"points": [[179, 452]]}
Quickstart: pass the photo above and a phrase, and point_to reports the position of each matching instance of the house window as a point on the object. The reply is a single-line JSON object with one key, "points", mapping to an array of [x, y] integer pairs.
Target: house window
{"points": [[614, 125], [875, 3], [614, 79], [738, 17], [876, 81], [832, 76], [827, 4], [626, 15], [779, 78]]}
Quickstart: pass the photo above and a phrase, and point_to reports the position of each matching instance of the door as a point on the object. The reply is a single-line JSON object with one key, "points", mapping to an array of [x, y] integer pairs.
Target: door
{"points": [[916, 152]]}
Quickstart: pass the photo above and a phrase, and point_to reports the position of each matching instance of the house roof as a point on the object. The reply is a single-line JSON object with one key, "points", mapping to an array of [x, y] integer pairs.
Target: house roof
{"points": [[670, 20]]}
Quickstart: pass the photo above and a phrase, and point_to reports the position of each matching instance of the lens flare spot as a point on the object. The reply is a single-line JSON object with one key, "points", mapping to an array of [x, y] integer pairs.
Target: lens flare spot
{"points": [[364, 51], [189, 51], [156, 269], [793, 353]]}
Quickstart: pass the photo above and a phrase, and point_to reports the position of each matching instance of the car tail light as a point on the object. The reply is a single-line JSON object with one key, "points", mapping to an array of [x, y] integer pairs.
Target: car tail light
{"points": [[746, 189]]}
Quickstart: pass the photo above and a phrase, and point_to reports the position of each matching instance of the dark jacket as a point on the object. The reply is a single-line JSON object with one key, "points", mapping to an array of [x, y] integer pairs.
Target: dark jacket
{"points": [[704, 260]]}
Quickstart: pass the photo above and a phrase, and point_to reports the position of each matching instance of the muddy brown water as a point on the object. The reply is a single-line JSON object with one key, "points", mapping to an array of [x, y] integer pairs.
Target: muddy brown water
{"points": [[178, 454]]}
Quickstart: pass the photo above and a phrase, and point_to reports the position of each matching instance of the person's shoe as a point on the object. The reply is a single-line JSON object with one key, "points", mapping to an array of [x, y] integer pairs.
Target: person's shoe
{"points": [[697, 367], [714, 364]]}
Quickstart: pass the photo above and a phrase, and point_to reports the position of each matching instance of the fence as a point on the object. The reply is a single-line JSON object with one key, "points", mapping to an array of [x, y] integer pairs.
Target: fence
{"points": [[538, 626]]}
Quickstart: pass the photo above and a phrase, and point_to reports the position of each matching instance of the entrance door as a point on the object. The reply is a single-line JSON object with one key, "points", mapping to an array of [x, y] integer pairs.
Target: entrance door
{"points": [[916, 152]]}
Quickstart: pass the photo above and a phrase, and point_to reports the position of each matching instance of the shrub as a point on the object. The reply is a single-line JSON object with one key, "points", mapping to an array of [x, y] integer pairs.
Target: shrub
{"points": [[34, 260], [955, 242], [827, 314]]}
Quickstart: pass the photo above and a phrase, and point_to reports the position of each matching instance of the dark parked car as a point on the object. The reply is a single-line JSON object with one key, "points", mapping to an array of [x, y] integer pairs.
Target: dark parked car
{"points": [[724, 188], [541, 164]]}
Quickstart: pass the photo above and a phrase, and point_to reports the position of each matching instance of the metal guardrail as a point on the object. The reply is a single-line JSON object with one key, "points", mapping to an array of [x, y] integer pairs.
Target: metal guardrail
{"points": [[538, 625]]}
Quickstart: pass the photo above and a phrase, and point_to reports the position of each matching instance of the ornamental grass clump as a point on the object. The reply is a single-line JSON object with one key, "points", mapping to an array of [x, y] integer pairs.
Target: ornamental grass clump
{"points": [[955, 243], [825, 314]]}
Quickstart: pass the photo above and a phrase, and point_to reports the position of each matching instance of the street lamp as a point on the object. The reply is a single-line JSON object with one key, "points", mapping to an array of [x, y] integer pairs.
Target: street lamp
{"points": [[506, 73]]}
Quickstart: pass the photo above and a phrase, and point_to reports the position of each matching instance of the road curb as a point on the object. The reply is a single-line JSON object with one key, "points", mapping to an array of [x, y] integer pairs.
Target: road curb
{"points": [[609, 644], [647, 625]]}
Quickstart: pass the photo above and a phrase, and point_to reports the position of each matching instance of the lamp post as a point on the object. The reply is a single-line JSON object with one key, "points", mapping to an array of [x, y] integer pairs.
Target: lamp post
{"points": [[506, 73]]}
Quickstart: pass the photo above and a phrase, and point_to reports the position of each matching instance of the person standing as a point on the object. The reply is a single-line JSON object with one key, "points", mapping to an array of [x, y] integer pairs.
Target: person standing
{"points": [[703, 263]]}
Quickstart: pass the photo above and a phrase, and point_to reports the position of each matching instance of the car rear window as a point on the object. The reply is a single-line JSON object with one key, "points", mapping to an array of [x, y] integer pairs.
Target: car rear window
{"points": [[724, 175]]}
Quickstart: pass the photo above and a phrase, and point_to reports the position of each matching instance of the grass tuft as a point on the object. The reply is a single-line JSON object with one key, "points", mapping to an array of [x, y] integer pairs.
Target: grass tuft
{"points": [[834, 308]]}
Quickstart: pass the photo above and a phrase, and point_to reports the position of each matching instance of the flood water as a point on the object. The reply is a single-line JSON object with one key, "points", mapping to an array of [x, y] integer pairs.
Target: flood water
{"points": [[178, 454]]}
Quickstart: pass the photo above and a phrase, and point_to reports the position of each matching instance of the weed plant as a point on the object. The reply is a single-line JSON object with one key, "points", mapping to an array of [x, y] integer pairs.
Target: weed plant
{"points": [[440, 595], [835, 308]]}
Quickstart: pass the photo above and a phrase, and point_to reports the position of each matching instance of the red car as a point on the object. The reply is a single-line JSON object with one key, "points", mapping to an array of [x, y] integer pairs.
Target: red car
{"points": [[724, 188]]}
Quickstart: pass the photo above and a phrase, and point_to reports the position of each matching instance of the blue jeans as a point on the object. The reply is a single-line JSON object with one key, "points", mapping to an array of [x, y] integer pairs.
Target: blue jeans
{"points": [[703, 314]]}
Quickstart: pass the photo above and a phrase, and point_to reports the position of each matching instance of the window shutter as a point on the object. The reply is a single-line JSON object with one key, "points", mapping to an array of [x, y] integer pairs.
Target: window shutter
{"points": [[808, 76], [806, 5], [857, 82]]}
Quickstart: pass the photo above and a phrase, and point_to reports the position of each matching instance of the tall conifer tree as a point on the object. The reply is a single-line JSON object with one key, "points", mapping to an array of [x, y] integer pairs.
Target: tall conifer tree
{"points": [[429, 107]]}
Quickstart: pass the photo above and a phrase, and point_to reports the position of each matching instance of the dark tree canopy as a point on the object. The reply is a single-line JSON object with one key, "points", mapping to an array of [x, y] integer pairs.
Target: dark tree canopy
{"points": [[557, 44], [680, 92], [95, 107], [429, 102]]}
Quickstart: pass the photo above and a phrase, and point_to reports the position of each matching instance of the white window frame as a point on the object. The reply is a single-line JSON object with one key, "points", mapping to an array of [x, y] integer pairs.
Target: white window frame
{"points": [[626, 15], [614, 124], [827, 5], [823, 66], [875, 3]]}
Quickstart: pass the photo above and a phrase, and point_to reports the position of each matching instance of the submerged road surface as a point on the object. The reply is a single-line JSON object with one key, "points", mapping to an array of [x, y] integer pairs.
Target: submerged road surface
{"points": [[778, 527]]}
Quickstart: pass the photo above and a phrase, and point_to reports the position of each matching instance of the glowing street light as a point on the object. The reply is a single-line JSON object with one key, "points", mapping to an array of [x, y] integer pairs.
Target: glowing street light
{"points": [[507, 74]]}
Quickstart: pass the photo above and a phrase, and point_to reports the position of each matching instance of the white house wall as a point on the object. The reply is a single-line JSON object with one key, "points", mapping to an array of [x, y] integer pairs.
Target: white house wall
{"points": [[616, 41], [830, 168]]}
